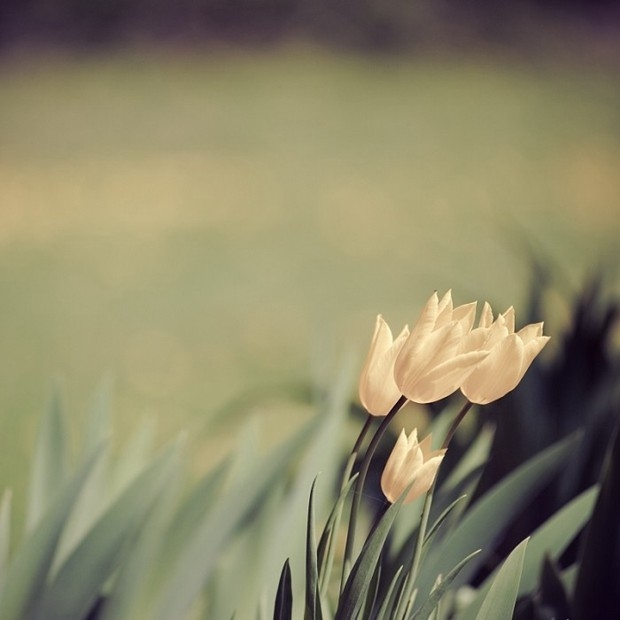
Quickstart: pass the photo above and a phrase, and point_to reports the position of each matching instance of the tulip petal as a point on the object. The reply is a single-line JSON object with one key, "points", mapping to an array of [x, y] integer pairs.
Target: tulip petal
{"points": [[498, 374], [486, 316], [531, 331], [446, 378], [424, 478], [509, 317], [444, 310], [465, 315], [377, 389], [426, 321]]}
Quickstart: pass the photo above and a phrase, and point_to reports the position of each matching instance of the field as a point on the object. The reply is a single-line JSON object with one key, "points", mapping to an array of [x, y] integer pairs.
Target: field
{"points": [[197, 226]]}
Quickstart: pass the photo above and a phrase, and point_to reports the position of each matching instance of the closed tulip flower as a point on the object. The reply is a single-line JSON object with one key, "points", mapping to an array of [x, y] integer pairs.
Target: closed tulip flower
{"points": [[377, 389], [410, 463], [433, 363], [510, 355]]}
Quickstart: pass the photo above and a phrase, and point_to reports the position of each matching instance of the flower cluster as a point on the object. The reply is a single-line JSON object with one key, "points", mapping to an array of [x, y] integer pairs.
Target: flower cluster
{"points": [[443, 353]]}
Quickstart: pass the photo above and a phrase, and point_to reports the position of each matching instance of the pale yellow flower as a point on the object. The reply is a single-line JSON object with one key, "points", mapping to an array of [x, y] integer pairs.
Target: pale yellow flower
{"points": [[410, 463], [377, 389], [432, 363], [510, 355]]}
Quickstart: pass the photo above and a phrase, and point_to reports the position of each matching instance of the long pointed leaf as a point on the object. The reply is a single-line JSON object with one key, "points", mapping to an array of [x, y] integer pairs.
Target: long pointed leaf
{"points": [[597, 590], [5, 534], [357, 585], [49, 470], [440, 589], [485, 521], [313, 601], [500, 601], [552, 537], [30, 567], [326, 547], [284, 598], [80, 579], [388, 606], [199, 557]]}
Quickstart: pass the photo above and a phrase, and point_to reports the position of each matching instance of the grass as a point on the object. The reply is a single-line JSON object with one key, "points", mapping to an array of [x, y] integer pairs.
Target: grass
{"points": [[202, 224]]}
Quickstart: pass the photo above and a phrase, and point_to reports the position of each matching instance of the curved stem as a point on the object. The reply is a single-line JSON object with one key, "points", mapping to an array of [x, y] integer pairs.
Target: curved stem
{"points": [[426, 509], [359, 485], [459, 418]]}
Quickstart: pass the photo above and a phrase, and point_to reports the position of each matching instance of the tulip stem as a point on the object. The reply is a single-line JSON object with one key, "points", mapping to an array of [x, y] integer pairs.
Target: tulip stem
{"points": [[459, 418], [426, 509], [325, 571], [359, 486]]}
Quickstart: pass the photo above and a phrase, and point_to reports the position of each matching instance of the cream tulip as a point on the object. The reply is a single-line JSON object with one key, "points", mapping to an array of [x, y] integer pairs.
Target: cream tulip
{"points": [[410, 465], [510, 355], [377, 389], [432, 363]]}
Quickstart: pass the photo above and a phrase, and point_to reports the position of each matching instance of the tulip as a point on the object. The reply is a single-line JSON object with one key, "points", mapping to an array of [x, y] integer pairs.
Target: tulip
{"points": [[377, 389], [432, 363], [510, 355], [410, 465]]}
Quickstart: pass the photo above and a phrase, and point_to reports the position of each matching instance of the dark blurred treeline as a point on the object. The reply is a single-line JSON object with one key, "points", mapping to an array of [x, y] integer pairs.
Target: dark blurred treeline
{"points": [[366, 24]]}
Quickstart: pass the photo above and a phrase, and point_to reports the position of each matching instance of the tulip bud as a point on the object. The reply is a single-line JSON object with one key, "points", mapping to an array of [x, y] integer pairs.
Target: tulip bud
{"points": [[377, 389], [411, 464]]}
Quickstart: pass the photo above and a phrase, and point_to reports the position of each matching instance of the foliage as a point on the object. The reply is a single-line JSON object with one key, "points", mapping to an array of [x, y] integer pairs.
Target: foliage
{"points": [[128, 535]]}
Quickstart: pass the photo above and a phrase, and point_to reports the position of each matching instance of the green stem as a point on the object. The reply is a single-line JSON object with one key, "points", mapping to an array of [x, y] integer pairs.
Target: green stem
{"points": [[324, 574], [459, 418], [356, 449], [426, 509], [359, 486]]}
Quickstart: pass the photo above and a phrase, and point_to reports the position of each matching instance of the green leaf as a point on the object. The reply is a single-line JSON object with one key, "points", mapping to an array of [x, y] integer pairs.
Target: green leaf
{"points": [[499, 603], [373, 591], [326, 546], [5, 534], [80, 579], [597, 590], [195, 509], [551, 538], [313, 601], [29, 570], [476, 455], [388, 606], [484, 523], [553, 594], [441, 518], [98, 422], [189, 573], [358, 583], [284, 598], [424, 612], [49, 470]]}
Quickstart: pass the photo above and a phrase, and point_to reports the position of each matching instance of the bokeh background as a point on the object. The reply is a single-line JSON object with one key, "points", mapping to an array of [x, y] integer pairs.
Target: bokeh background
{"points": [[210, 201]]}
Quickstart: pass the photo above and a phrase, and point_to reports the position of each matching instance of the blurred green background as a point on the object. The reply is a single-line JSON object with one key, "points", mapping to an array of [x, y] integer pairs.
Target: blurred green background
{"points": [[199, 222]]}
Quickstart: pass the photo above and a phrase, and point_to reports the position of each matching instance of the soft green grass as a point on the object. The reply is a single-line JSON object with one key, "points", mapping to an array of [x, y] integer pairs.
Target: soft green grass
{"points": [[200, 224]]}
